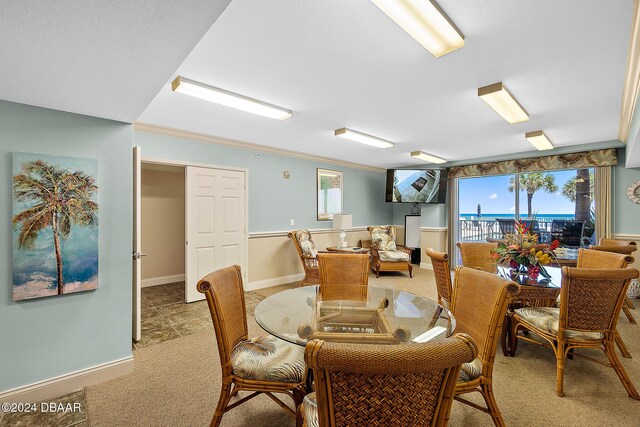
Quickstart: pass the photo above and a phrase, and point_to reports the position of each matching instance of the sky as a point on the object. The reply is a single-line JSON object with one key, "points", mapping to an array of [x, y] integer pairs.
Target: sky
{"points": [[493, 195]]}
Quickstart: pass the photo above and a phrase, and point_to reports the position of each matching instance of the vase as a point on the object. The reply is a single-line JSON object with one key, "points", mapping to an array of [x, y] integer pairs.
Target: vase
{"points": [[519, 274]]}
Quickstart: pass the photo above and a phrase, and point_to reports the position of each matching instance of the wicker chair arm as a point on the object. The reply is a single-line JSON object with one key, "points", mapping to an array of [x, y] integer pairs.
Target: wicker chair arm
{"points": [[404, 249]]}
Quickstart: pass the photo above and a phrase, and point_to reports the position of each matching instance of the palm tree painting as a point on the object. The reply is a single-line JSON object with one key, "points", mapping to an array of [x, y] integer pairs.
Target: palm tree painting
{"points": [[55, 232]]}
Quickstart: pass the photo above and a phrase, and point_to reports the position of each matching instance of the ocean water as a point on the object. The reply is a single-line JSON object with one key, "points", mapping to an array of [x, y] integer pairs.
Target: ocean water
{"points": [[492, 216]]}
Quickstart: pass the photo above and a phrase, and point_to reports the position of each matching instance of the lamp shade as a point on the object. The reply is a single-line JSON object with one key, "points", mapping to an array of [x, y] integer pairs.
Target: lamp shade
{"points": [[342, 221]]}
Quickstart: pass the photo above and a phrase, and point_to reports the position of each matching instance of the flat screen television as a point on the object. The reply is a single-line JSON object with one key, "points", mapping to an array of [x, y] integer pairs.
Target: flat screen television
{"points": [[416, 186]]}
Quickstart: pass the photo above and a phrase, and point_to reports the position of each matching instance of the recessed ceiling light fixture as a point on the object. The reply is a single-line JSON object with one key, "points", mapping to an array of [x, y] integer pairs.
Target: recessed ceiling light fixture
{"points": [[425, 22], [501, 100], [363, 138], [229, 99], [427, 157], [539, 140]]}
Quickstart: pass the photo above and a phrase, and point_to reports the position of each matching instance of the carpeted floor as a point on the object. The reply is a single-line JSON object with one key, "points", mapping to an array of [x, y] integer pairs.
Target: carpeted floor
{"points": [[176, 383]]}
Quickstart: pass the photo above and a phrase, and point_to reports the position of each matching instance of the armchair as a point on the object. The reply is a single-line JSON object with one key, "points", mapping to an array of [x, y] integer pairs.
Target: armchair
{"points": [[386, 255], [308, 256]]}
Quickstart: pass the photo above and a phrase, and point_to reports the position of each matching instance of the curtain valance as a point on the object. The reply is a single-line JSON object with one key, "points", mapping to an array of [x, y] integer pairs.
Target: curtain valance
{"points": [[586, 159]]}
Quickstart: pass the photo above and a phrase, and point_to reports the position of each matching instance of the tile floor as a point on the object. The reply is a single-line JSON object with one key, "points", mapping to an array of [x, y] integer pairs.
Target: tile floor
{"points": [[165, 316]]}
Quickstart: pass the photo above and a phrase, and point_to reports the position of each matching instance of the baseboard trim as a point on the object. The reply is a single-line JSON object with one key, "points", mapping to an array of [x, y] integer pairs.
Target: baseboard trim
{"points": [[68, 383], [267, 283], [161, 280], [426, 266]]}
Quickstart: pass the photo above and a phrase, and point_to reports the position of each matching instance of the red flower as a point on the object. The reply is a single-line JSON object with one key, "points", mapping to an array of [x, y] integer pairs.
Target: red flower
{"points": [[513, 264], [554, 245], [533, 271]]}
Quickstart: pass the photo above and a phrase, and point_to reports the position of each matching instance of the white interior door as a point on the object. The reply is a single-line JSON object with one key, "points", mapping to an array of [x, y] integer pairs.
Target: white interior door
{"points": [[216, 224], [137, 242]]}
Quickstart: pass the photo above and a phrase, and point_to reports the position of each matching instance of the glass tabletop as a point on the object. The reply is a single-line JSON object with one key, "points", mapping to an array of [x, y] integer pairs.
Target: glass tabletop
{"points": [[347, 313], [554, 282]]}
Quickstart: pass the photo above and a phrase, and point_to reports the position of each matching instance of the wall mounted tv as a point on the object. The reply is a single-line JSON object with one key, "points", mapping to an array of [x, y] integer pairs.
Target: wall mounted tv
{"points": [[416, 186]]}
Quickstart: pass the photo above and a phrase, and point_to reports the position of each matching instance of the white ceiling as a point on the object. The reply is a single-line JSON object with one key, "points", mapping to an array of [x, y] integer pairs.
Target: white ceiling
{"points": [[335, 63], [339, 63], [99, 58]]}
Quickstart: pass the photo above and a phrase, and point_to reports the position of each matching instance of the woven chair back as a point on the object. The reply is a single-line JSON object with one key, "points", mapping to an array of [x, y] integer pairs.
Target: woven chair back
{"points": [[383, 385], [298, 235], [442, 273], [478, 255], [225, 297], [338, 270], [479, 305], [593, 258], [617, 242], [618, 249], [591, 299]]}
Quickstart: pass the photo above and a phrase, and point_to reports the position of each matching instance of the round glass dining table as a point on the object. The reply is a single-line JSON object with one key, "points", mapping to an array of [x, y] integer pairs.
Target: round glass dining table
{"points": [[349, 313]]}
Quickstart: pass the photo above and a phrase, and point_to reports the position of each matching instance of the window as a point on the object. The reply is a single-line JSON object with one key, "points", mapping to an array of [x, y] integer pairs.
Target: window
{"points": [[488, 205], [329, 184]]}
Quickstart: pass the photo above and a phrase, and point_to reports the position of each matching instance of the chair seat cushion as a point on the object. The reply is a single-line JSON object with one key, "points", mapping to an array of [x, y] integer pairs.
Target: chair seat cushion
{"points": [[470, 371], [268, 358], [547, 318], [393, 256], [311, 410]]}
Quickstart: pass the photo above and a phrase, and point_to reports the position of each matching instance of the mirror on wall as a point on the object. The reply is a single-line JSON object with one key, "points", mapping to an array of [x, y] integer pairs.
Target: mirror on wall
{"points": [[329, 184]]}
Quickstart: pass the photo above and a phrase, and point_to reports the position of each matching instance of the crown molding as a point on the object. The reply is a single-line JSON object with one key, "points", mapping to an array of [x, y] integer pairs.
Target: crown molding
{"points": [[146, 127], [632, 78]]}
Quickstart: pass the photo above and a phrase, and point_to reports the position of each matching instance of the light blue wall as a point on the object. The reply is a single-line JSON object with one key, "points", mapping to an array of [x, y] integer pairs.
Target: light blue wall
{"points": [[626, 213], [48, 337], [273, 200]]}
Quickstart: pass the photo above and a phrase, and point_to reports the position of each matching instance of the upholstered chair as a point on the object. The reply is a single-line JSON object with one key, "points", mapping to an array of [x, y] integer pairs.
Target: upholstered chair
{"points": [[308, 256], [386, 255], [478, 255], [263, 364], [479, 304], [384, 385], [590, 303]]}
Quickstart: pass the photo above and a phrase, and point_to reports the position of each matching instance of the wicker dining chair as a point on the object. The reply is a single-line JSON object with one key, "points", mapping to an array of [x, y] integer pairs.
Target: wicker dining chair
{"points": [[343, 276], [308, 256], [479, 304], [442, 273], [478, 255], [386, 255], [625, 247], [263, 364], [616, 242], [384, 385], [596, 258], [590, 303]]}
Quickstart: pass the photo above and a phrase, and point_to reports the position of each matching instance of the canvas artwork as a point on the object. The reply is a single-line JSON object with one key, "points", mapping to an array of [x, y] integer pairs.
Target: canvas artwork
{"points": [[55, 225]]}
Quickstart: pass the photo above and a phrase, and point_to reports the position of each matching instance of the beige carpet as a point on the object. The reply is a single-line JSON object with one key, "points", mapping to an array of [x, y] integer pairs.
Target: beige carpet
{"points": [[176, 383]]}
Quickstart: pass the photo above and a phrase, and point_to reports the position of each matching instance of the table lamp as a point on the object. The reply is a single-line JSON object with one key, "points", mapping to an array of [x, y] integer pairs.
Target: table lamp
{"points": [[342, 222]]}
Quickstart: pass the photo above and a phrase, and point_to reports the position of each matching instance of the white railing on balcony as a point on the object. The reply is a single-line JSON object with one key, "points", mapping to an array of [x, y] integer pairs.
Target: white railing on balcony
{"points": [[478, 230]]}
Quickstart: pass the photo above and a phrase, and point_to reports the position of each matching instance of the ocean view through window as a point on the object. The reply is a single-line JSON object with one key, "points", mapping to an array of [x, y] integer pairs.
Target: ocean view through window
{"points": [[553, 198]]}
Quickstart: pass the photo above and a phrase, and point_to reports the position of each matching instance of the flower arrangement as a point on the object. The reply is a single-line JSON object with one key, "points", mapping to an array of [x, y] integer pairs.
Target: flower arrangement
{"points": [[521, 251]]}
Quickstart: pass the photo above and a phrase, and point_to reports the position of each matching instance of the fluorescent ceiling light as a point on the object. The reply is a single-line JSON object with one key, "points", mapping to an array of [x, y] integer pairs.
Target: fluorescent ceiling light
{"points": [[501, 100], [425, 22], [427, 157], [363, 138], [229, 99], [539, 140]]}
